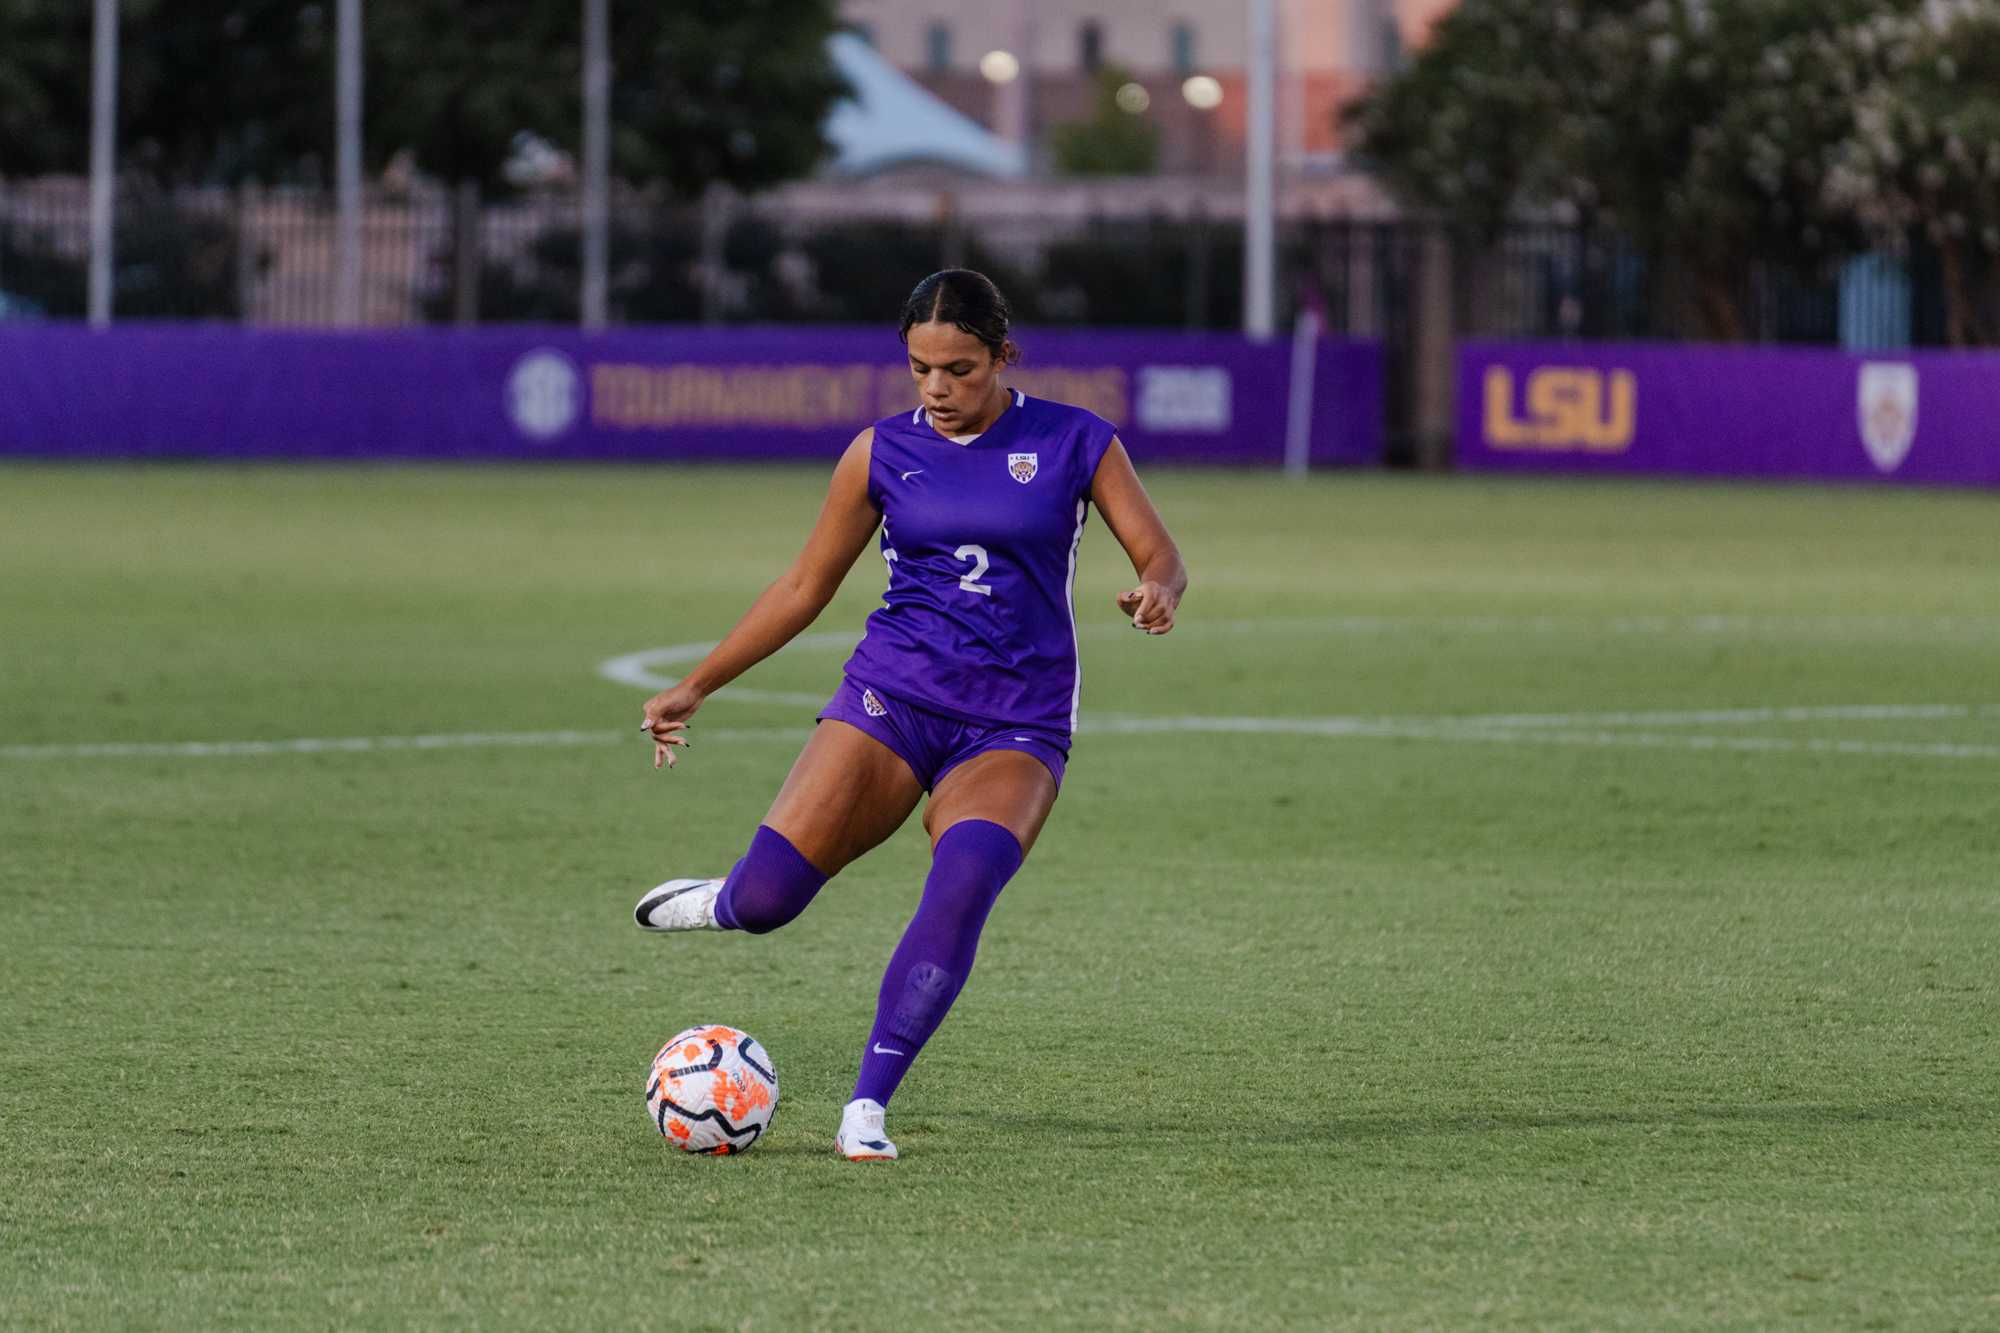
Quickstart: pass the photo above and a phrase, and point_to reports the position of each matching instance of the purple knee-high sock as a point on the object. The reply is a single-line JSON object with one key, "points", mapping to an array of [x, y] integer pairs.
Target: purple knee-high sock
{"points": [[972, 862], [769, 886]]}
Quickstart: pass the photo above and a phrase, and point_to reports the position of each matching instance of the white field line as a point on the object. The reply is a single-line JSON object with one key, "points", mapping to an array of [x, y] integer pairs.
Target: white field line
{"points": [[1721, 624], [1673, 741], [1587, 729], [1454, 722], [1437, 729], [466, 740], [1332, 727], [1736, 716]]}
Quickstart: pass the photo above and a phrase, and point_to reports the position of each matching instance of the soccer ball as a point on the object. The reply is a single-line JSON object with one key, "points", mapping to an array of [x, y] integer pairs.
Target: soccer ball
{"points": [[712, 1090]]}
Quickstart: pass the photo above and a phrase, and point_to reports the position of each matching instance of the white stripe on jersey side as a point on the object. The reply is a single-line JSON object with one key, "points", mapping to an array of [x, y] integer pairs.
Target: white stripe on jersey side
{"points": [[1069, 595]]}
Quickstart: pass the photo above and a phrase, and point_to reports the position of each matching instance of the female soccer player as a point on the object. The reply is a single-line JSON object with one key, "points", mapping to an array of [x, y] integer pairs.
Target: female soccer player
{"points": [[965, 684]]}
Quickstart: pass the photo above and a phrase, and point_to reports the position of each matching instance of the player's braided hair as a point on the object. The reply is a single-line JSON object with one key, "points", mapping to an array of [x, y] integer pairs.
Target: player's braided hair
{"points": [[967, 299]]}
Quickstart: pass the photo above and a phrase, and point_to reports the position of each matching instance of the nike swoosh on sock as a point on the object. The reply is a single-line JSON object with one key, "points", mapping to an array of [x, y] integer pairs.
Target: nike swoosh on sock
{"points": [[880, 1049]]}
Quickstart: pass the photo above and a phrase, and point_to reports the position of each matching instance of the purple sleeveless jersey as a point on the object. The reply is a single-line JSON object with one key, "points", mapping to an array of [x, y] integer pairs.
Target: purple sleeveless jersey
{"points": [[978, 621]]}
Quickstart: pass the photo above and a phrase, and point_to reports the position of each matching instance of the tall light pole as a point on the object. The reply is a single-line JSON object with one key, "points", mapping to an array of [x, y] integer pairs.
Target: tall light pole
{"points": [[347, 166], [103, 154], [1259, 202], [596, 181]]}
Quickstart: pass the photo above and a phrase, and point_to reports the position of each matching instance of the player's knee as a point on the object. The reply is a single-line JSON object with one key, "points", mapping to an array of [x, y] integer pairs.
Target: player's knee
{"points": [[762, 904], [770, 886]]}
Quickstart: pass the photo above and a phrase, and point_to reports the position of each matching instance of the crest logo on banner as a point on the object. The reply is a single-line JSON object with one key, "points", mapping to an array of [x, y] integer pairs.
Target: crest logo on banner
{"points": [[1022, 467], [1886, 402]]}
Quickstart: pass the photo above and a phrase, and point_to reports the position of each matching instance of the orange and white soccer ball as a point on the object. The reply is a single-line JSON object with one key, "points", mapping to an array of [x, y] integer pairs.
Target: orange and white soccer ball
{"points": [[712, 1090]]}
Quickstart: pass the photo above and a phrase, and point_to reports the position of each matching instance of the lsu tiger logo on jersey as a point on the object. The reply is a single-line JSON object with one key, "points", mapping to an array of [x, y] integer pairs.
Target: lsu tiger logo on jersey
{"points": [[1022, 467]]}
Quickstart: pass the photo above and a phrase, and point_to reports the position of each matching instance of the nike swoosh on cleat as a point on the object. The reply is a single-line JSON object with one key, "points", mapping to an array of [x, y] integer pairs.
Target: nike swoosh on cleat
{"points": [[876, 1144], [643, 913], [880, 1049]]}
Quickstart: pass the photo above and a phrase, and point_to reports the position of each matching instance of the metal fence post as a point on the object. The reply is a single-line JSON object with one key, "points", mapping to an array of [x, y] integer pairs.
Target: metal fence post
{"points": [[103, 155], [347, 167], [246, 251], [1434, 351], [1198, 248], [594, 297], [465, 255], [1260, 174]]}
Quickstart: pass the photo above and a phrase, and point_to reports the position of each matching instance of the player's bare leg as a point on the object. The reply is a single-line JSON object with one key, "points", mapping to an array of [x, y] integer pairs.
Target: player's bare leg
{"points": [[982, 818], [1010, 788], [846, 793]]}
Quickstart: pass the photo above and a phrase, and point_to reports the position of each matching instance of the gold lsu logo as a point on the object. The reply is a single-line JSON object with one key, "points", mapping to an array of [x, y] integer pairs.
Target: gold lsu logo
{"points": [[1565, 408]]}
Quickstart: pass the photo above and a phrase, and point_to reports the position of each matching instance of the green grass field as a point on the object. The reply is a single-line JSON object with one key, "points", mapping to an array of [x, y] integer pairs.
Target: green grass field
{"points": [[1483, 953]]}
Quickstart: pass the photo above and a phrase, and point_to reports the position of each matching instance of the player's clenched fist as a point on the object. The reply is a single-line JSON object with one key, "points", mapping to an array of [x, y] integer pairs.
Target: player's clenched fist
{"points": [[1151, 606]]}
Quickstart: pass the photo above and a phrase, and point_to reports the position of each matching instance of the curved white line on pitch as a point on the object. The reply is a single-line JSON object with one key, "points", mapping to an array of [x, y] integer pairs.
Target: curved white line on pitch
{"points": [[639, 669]]}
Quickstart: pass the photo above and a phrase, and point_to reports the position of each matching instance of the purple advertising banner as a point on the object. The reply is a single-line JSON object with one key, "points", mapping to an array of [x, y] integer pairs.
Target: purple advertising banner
{"points": [[195, 391], [1928, 418]]}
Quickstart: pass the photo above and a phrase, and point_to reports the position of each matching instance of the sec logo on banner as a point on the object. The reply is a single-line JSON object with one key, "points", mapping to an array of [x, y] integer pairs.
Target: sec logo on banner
{"points": [[1886, 403], [542, 393]]}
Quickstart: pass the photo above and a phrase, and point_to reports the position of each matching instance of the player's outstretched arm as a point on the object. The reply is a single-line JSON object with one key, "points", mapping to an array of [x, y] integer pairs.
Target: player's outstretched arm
{"points": [[846, 520], [1129, 512]]}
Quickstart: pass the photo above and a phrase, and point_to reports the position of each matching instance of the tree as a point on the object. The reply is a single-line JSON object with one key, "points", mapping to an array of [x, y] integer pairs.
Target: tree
{"points": [[730, 92], [1701, 129], [706, 92], [178, 122], [1113, 142], [44, 86], [1922, 154], [709, 91]]}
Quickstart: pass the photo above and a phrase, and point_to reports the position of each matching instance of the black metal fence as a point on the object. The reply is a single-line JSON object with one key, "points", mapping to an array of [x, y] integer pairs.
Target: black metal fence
{"points": [[267, 257]]}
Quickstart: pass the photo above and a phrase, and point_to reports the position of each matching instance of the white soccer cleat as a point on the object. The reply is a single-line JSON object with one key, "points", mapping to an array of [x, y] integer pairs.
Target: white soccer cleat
{"points": [[679, 904], [861, 1138]]}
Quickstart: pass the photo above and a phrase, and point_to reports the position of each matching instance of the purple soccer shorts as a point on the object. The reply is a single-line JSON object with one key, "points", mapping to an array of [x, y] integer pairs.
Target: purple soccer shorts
{"points": [[933, 744]]}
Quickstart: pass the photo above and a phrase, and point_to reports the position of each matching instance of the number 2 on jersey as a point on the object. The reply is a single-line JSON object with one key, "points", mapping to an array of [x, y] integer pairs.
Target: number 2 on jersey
{"points": [[970, 582]]}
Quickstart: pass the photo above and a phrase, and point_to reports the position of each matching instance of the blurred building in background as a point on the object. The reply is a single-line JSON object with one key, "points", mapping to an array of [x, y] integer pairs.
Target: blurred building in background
{"points": [[1028, 68]]}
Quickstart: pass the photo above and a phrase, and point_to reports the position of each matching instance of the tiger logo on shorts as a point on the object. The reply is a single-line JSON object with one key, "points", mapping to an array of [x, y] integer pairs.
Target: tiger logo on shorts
{"points": [[871, 705]]}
